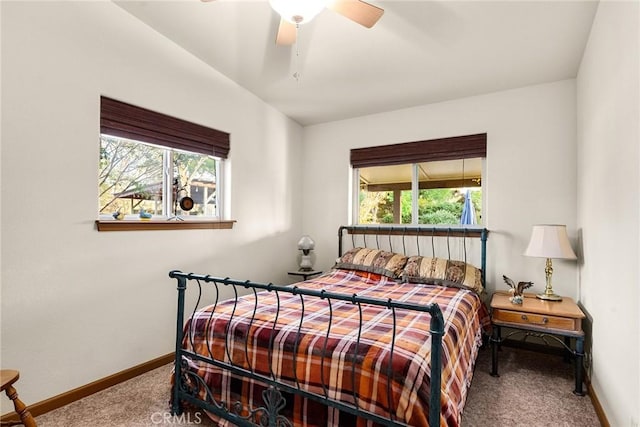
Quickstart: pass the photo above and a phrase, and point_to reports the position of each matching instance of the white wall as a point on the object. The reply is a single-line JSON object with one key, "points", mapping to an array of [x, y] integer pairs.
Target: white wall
{"points": [[79, 305], [530, 171], [608, 213]]}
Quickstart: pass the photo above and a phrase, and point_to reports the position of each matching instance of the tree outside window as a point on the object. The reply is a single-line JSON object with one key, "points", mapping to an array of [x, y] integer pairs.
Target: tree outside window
{"points": [[136, 176]]}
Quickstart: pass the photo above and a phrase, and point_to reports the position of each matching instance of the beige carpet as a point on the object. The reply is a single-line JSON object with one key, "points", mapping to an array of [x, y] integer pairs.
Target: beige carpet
{"points": [[140, 402], [533, 389]]}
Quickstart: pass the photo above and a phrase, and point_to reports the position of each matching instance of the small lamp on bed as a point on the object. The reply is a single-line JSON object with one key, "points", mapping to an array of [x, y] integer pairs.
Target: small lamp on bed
{"points": [[549, 241], [306, 245]]}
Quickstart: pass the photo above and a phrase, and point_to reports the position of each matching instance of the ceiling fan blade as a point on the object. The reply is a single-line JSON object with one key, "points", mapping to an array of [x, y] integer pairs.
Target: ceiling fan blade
{"points": [[358, 11], [287, 33]]}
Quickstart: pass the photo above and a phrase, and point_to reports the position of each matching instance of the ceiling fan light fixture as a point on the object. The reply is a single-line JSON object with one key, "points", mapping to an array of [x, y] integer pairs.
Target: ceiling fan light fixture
{"points": [[298, 11]]}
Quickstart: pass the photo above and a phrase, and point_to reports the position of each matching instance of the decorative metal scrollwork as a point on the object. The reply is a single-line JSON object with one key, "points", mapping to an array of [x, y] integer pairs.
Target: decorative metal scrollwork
{"points": [[268, 415], [193, 385], [265, 416], [274, 404], [542, 336]]}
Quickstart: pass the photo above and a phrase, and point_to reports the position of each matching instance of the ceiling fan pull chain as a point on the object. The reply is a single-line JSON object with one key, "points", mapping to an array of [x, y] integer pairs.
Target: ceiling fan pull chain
{"points": [[296, 73]]}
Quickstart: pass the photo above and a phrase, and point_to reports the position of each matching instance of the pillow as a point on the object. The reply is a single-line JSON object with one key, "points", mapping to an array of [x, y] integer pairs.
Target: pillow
{"points": [[443, 272], [373, 261]]}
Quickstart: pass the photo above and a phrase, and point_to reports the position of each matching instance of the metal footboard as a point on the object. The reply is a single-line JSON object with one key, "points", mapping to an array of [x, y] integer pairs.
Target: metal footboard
{"points": [[190, 388]]}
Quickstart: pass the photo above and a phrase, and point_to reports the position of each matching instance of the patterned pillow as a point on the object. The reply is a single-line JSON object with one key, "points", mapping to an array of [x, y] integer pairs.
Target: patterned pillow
{"points": [[373, 261], [443, 272]]}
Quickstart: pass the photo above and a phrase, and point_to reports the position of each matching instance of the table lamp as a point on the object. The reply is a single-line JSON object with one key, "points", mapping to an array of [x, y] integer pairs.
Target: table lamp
{"points": [[549, 241], [306, 245]]}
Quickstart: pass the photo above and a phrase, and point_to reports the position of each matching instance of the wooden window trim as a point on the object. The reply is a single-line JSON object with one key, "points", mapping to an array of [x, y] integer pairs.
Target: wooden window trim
{"points": [[128, 121], [154, 225]]}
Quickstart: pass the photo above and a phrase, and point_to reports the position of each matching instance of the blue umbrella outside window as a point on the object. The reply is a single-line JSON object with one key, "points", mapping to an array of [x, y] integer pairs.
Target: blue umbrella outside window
{"points": [[468, 212]]}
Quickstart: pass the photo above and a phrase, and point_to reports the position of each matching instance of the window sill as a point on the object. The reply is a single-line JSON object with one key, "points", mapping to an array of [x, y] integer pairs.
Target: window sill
{"points": [[139, 225]]}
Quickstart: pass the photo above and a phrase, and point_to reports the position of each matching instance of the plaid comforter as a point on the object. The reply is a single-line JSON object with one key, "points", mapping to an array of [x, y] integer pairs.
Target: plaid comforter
{"points": [[324, 365]]}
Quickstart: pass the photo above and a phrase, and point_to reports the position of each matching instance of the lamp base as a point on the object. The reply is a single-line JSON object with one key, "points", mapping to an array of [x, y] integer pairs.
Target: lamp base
{"points": [[549, 297], [305, 262]]}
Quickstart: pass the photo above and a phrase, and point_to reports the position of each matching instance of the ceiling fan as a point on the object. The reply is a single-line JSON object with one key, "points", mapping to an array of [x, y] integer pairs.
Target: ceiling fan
{"points": [[294, 13]]}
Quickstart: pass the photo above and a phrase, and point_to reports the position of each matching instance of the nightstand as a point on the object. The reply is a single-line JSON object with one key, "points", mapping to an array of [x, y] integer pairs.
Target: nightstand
{"points": [[304, 273], [539, 318]]}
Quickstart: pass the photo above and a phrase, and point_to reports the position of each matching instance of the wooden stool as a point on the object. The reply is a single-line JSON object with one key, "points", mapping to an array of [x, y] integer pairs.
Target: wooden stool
{"points": [[9, 377]]}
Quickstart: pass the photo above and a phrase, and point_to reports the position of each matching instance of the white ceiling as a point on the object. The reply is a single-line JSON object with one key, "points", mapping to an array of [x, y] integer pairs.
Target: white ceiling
{"points": [[420, 51]]}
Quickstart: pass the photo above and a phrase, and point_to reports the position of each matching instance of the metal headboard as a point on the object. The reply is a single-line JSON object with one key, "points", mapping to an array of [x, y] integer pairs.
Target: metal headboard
{"points": [[382, 234]]}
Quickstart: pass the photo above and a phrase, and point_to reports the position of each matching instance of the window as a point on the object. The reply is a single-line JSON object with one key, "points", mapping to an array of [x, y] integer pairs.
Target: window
{"points": [[158, 165], [426, 182], [135, 176]]}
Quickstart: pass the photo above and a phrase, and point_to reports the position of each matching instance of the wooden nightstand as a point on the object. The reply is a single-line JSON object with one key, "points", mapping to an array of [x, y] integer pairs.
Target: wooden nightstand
{"points": [[535, 317], [304, 273]]}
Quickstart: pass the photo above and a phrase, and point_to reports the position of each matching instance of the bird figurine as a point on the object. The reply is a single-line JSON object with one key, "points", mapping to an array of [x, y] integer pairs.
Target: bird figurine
{"points": [[144, 215], [516, 290], [118, 215]]}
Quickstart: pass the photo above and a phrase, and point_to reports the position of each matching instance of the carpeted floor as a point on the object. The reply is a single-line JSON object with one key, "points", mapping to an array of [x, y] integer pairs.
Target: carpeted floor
{"points": [[533, 389]]}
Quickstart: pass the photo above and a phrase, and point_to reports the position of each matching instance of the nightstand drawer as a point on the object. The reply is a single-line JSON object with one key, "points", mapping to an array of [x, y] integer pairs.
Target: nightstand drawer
{"points": [[552, 322]]}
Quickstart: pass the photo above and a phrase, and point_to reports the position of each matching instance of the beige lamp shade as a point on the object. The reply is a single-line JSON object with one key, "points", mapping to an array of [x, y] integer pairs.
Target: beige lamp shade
{"points": [[550, 241]]}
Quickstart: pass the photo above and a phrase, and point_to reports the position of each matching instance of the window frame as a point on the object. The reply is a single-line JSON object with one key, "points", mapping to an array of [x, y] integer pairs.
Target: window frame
{"points": [[122, 120], [414, 153]]}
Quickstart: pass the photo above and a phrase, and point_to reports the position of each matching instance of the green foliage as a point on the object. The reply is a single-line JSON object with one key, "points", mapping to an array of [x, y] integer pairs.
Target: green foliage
{"points": [[387, 218], [441, 216], [436, 206], [374, 206], [439, 206], [405, 206]]}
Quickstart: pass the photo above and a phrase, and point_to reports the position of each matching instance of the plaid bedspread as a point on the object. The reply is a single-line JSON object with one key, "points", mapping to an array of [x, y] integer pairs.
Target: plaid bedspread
{"points": [[326, 366]]}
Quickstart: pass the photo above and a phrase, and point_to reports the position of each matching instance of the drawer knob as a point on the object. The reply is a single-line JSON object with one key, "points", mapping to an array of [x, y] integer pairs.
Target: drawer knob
{"points": [[523, 317], [545, 320]]}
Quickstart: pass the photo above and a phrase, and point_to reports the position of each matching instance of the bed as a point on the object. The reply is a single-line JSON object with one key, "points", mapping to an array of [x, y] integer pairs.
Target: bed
{"points": [[388, 336]]}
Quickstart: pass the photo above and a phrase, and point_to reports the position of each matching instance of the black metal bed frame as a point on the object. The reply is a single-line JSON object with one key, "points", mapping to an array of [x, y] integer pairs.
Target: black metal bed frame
{"points": [[188, 385]]}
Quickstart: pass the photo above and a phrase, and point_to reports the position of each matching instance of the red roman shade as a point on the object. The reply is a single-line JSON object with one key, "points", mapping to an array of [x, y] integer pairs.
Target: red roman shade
{"points": [[128, 121], [457, 147]]}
